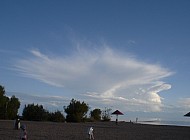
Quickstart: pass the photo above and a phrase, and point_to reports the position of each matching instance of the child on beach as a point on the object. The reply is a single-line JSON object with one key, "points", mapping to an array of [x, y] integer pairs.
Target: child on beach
{"points": [[23, 132], [90, 132]]}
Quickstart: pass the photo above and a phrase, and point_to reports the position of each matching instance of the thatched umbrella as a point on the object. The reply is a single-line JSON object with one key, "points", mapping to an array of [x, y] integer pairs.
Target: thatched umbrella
{"points": [[117, 112], [187, 115]]}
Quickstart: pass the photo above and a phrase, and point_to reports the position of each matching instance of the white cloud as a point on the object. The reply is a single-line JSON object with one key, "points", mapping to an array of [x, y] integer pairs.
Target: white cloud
{"points": [[134, 99], [184, 103], [104, 76]]}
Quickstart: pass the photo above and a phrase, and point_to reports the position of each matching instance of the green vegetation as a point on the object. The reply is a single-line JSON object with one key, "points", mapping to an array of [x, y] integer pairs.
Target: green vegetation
{"points": [[8, 106], [76, 111], [33, 112], [56, 117], [95, 115]]}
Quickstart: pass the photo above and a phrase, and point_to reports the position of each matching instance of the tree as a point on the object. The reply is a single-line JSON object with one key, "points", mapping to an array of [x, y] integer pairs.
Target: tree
{"points": [[12, 107], [33, 112], [57, 117], [106, 115], [3, 103], [2, 91], [8, 107], [96, 114], [76, 111], [3, 107]]}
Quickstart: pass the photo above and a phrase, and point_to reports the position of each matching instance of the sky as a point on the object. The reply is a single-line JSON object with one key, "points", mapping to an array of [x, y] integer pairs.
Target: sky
{"points": [[131, 55]]}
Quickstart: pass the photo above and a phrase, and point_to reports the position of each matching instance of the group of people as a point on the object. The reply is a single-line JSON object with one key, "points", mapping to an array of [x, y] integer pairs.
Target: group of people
{"points": [[18, 126]]}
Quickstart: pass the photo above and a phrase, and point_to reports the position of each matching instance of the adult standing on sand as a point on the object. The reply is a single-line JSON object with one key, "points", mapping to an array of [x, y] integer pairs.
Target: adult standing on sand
{"points": [[17, 124]]}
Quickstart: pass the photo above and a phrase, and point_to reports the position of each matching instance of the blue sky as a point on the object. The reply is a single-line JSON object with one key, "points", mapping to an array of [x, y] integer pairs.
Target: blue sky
{"points": [[131, 55]]}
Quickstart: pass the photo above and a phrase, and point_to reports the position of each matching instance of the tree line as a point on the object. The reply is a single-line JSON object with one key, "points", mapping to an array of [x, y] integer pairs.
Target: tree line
{"points": [[76, 111], [8, 106]]}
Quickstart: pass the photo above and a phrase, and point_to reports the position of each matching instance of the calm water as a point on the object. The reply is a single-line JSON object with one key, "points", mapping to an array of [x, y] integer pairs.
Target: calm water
{"points": [[175, 123]]}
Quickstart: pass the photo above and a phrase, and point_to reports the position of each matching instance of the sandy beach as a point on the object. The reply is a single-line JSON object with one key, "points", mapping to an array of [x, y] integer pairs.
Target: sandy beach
{"points": [[102, 131]]}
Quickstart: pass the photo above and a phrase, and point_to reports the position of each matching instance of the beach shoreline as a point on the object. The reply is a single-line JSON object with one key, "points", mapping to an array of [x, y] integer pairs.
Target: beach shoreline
{"points": [[102, 131]]}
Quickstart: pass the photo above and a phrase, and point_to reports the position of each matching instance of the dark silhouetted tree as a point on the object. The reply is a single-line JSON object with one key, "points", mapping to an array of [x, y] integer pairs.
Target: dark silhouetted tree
{"points": [[8, 107], [2, 91], [56, 117], [96, 114], [3, 103], [76, 111], [12, 107], [33, 112]]}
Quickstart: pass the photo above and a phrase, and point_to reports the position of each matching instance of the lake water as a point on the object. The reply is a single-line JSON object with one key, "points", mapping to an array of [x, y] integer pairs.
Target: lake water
{"points": [[174, 123]]}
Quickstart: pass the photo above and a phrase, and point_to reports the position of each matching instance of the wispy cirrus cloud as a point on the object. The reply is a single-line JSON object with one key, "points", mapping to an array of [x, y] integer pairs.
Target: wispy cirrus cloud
{"points": [[103, 76]]}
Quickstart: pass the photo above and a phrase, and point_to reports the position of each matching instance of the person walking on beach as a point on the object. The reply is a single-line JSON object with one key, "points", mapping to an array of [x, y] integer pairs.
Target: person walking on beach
{"points": [[17, 124], [23, 133], [90, 132]]}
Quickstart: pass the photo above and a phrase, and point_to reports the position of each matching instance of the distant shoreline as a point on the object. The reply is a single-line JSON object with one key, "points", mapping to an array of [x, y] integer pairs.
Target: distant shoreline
{"points": [[170, 123]]}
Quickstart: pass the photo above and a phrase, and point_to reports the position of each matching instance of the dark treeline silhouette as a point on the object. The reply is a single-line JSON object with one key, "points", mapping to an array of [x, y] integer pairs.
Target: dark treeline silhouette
{"points": [[8, 106], [76, 111], [33, 112]]}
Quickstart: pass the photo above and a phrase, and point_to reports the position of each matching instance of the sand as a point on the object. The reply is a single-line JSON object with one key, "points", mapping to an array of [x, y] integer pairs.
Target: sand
{"points": [[102, 131]]}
